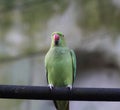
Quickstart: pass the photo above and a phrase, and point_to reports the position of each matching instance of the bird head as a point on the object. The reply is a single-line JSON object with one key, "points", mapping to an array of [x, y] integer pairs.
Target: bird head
{"points": [[58, 39]]}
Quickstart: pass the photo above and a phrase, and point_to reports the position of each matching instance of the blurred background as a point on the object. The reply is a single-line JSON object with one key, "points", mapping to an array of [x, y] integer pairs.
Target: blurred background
{"points": [[91, 28]]}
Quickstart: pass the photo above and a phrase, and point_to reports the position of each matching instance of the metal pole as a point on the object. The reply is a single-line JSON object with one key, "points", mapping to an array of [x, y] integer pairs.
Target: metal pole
{"points": [[44, 93]]}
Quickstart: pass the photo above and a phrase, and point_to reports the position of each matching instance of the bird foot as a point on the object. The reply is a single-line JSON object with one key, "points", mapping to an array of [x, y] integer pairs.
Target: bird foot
{"points": [[51, 86], [69, 87]]}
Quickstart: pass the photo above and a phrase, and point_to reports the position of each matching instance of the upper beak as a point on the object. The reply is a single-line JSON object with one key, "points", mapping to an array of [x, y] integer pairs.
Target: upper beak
{"points": [[56, 39]]}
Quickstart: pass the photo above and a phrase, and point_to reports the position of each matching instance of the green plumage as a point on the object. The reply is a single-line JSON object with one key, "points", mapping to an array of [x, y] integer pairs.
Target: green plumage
{"points": [[60, 63]]}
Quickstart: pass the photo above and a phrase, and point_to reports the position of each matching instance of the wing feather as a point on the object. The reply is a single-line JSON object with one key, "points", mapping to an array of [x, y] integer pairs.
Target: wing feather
{"points": [[73, 56], [46, 71]]}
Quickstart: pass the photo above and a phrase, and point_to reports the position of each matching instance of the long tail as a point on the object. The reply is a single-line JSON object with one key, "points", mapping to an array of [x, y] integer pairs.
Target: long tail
{"points": [[61, 105]]}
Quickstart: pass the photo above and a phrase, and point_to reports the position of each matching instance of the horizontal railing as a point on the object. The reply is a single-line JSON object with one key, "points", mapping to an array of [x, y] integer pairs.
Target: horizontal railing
{"points": [[59, 93]]}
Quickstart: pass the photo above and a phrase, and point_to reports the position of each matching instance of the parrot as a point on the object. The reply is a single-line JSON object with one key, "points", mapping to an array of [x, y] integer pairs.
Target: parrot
{"points": [[60, 64]]}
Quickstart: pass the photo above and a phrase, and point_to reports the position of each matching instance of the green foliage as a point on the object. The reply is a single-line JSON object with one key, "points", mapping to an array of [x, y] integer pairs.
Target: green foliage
{"points": [[5, 14], [34, 13], [3, 56], [99, 13], [6, 5]]}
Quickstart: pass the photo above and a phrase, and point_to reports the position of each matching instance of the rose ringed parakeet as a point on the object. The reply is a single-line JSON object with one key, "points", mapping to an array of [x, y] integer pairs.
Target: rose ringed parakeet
{"points": [[60, 63]]}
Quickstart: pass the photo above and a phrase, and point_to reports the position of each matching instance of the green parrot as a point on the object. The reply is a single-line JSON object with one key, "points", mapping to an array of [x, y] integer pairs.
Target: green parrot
{"points": [[60, 64]]}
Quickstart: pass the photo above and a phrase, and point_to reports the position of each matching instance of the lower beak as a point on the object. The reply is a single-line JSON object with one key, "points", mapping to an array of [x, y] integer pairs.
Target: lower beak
{"points": [[56, 42]]}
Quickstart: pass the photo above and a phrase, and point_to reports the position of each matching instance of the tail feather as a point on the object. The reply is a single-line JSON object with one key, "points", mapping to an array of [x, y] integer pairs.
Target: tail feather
{"points": [[61, 105], [55, 103]]}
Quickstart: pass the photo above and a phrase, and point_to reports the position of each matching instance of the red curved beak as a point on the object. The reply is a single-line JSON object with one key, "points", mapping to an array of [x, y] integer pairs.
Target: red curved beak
{"points": [[56, 37]]}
